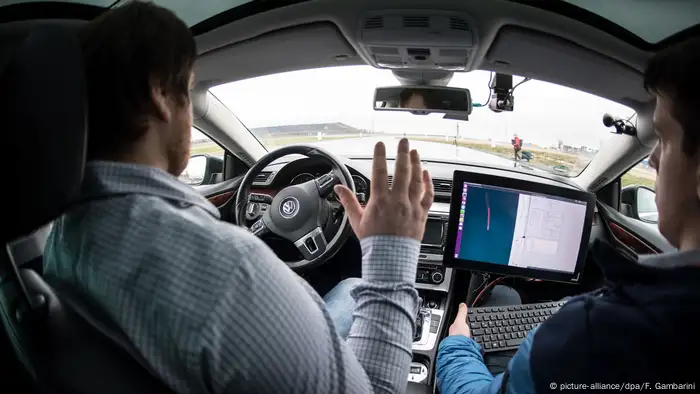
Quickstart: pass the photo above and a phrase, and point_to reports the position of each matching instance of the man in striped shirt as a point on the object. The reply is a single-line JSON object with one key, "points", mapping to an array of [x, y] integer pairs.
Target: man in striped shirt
{"points": [[208, 305]]}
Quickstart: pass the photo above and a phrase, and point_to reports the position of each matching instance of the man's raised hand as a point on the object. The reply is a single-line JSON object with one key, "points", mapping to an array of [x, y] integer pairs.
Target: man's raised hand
{"points": [[401, 210]]}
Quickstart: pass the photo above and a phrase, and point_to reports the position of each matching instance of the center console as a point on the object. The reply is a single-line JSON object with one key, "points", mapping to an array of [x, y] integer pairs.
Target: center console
{"points": [[503, 226], [429, 323], [433, 282]]}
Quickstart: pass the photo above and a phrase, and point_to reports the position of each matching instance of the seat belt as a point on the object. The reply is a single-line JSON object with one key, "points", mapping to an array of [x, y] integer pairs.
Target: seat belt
{"points": [[75, 301]]}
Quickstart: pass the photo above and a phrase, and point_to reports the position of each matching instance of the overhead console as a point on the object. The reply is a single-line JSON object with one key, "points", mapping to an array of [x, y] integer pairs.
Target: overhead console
{"points": [[418, 39]]}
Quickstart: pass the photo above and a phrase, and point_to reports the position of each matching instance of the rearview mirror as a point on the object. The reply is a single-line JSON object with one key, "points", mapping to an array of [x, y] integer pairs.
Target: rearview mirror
{"points": [[422, 100], [639, 202], [202, 170]]}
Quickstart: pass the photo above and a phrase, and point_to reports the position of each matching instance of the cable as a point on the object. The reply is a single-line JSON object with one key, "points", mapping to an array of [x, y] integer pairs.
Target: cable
{"points": [[635, 120], [484, 279], [488, 100], [477, 105], [490, 92], [520, 83], [493, 283]]}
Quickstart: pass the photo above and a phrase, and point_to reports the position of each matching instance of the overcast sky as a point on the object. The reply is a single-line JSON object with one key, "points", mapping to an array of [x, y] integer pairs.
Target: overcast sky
{"points": [[544, 112]]}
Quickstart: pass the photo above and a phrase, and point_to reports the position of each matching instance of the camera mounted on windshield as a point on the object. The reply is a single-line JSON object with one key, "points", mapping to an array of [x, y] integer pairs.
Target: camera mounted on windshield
{"points": [[502, 93]]}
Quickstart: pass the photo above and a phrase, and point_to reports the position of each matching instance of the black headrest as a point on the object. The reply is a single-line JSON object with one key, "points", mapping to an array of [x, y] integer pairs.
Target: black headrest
{"points": [[44, 126]]}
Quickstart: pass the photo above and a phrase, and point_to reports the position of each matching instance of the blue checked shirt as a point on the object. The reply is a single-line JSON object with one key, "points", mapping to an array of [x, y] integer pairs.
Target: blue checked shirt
{"points": [[212, 309]]}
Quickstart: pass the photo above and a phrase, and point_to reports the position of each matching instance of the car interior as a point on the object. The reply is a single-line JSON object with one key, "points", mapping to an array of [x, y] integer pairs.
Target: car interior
{"points": [[283, 193]]}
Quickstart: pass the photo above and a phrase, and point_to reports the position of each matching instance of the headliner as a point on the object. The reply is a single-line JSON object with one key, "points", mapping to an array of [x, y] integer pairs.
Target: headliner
{"points": [[260, 38], [513, 38]]}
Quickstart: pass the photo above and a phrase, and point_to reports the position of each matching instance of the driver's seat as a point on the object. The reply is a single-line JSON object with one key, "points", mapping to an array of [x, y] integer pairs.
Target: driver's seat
{"points": [[59, 339]]}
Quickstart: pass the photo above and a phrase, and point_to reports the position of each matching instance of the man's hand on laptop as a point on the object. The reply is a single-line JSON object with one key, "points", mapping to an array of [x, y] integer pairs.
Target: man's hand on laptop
{"points": [[401, 210]]}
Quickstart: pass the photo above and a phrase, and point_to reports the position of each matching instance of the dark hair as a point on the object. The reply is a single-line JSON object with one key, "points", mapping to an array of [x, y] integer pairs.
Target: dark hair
{"points": [[674, 73], [125, 51]]}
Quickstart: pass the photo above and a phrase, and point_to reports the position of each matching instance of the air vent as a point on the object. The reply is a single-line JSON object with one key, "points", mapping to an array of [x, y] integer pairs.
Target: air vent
{"points": [[443, 186], [263, 177], [459, 24], [416, 21], [375, 22]]}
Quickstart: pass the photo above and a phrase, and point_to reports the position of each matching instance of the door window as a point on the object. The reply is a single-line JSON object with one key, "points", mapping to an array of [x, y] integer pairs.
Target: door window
{"points": [[205, 165], [637, 197]]}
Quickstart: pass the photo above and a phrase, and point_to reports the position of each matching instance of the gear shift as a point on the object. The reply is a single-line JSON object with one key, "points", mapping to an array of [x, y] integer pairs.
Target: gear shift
{"points": [[422, 312]]}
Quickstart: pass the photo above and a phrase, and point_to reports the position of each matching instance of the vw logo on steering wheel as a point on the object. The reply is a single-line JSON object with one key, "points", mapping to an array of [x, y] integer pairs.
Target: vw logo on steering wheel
{"points": [[289, 207]]}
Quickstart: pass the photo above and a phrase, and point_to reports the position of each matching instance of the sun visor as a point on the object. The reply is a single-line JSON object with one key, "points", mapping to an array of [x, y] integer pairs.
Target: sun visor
{"points": [[554, 59], [294, 48]]}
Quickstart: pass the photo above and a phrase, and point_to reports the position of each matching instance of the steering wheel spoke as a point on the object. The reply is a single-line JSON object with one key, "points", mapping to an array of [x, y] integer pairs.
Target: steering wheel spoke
{"points": [[313, 244], [325, 183], [259, 228]]}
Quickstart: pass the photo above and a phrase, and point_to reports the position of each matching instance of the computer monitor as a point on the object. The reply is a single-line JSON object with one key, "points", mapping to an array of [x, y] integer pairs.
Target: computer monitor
{"points": [[513, 227]]}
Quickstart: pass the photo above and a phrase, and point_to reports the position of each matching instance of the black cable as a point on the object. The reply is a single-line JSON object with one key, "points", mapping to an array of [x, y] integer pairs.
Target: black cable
{"points": [[635, 120], [484, 280], [520, 83], [490, 90]]}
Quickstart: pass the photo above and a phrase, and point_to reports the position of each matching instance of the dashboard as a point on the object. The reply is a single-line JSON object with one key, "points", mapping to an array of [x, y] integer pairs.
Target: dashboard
{"points": [[434, 279], [294, 169]]}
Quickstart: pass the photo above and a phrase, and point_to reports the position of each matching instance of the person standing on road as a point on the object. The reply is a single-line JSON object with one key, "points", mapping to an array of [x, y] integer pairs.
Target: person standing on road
{"points": [[517, 146]]}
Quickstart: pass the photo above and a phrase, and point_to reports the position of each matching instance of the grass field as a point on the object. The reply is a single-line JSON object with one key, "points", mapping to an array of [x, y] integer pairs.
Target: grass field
{"points": [[548, 159], [632, 178], [274, 142], [206, 149], [542, 158], [210, 148]]}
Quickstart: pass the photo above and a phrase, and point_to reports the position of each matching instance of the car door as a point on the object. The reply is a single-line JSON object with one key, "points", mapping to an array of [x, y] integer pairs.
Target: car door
{"points": [[633, 220], [213, 172]]}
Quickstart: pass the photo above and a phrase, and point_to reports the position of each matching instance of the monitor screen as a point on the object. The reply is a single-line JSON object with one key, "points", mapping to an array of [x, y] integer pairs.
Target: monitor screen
{"points": [[508, 230]]}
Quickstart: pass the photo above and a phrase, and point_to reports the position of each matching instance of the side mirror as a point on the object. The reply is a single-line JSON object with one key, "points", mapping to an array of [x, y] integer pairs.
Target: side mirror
{"points": [[639, 202], [203, 170]]}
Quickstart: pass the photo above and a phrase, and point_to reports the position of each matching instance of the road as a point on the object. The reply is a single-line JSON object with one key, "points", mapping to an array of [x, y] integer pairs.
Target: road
{"points": [[428, 150]]}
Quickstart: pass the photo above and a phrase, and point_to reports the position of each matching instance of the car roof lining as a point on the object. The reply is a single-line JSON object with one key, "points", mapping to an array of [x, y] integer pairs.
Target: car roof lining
{"points": [[318, 44], [313, 34], [603, 76], [288, 39]]}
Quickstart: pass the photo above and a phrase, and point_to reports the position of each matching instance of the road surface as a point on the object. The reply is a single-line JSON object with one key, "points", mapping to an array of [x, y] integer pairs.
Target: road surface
{"points": [[427, 150]]}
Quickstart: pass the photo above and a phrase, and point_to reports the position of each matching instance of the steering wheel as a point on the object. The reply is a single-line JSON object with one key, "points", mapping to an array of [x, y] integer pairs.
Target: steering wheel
{"points": [[299, 213]]}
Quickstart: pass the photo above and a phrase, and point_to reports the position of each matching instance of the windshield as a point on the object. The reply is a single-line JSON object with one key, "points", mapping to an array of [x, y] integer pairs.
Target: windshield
{"points": [[559, 129]]}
